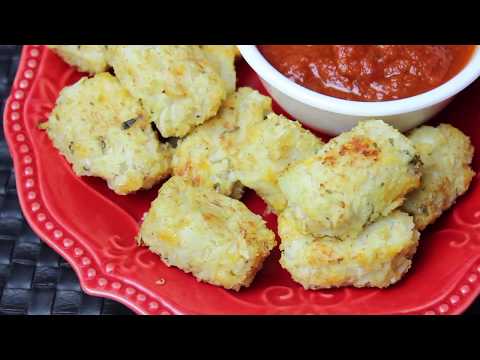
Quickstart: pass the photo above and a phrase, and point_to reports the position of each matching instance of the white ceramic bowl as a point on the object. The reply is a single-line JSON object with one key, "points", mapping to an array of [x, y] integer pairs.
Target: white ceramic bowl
{"points": [[333, 116]]}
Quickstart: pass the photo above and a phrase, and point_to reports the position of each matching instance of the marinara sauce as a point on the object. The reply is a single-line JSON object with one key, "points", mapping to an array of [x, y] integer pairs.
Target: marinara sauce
{"points": [[368, 72]]}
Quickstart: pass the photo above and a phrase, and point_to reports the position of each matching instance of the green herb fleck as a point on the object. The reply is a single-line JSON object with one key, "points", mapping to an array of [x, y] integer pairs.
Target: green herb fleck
{"points": [[103, 144], [128, 124], [415, 161]]}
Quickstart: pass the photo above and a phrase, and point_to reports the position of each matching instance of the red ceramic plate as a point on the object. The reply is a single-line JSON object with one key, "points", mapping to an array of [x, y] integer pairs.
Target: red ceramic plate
{"points": [[94, 229]]}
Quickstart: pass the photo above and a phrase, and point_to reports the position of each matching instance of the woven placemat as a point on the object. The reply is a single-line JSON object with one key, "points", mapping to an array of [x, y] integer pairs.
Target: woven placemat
{"points": [[33, 278]]}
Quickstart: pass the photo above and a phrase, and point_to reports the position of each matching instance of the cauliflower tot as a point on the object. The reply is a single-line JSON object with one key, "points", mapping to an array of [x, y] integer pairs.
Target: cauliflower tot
{"points": [[103, 131], [176, 84], [356, 178], [446, 154], [206, 156], [378, 257], [91, 59], [212, 236], [222, 57]]}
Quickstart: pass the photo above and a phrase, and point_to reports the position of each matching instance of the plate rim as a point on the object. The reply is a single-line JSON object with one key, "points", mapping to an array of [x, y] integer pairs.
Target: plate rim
{"points": [[130, 295]]}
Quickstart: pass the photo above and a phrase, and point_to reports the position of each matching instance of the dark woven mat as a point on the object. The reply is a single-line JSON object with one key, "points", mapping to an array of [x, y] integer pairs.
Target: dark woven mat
{"points": [[33, 278]]}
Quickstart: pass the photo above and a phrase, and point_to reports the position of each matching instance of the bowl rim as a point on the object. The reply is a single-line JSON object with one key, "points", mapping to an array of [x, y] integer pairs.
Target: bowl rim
{"points": [[272, 76]]}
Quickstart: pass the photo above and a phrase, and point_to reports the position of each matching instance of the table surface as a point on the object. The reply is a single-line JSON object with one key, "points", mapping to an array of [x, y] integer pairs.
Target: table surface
{"points": [[34, 279]]}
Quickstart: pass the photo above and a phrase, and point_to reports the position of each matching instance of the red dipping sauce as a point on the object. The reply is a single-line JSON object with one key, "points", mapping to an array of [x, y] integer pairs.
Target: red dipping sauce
{"points": [[368, 72]]}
